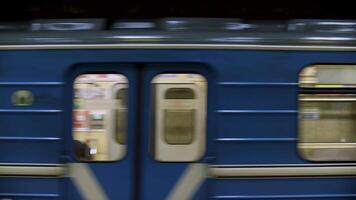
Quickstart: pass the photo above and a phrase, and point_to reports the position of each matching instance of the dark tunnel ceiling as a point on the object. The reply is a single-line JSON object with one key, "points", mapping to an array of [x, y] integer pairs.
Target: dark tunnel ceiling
{"points": [[110, 9]]}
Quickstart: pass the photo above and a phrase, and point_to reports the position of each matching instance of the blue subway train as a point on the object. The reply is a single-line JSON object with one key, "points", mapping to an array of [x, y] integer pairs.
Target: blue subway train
{"points": [[178, 108]]}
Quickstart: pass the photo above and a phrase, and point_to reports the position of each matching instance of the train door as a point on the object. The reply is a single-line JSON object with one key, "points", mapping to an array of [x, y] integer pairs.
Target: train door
{"points": [[100, 131], [137, 133], [175, 132]]}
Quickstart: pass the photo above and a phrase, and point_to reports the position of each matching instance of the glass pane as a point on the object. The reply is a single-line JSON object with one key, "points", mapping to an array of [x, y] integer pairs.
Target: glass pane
{"points": [[328, 76], [179, 126], [121, 96], [327, 118], [121, 126], [180, 93], [99, 117]]}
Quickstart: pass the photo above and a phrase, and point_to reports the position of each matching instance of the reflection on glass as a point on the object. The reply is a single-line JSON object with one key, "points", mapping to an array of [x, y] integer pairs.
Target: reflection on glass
{"points": [[99, 108]]}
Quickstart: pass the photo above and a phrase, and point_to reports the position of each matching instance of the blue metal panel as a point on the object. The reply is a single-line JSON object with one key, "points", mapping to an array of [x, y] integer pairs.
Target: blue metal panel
{"points": [[27, 124], [22, 66], [258, 66], [252, 97], [257, 125], [30, 188], [71, 191], [204, 191], [289, 197], [45, 97], [285, 188], [27, 151], [257, 152]]}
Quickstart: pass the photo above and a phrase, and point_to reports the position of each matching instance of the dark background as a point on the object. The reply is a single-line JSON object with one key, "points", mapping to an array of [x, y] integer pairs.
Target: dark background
{"points": [[110, 9]]}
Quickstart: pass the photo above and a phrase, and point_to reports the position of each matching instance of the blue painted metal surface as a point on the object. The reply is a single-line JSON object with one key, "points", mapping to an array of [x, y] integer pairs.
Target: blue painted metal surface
{"points": [[252, 119], [285, 188], [30, 188]]}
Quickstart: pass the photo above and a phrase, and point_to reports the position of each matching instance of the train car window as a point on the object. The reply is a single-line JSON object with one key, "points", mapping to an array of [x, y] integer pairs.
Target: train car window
{"points": [[99, 117], [328, 76], [327, 113], [179, 117]]}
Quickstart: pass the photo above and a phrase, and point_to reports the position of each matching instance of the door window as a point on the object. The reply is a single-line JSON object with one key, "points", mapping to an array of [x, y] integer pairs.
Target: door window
{"points": [[179, 117], [99, 117]]}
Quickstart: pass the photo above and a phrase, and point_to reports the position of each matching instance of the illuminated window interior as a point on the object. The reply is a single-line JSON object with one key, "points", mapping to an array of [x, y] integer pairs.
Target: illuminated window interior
{"points": [[99, 117], [327, 113]]}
